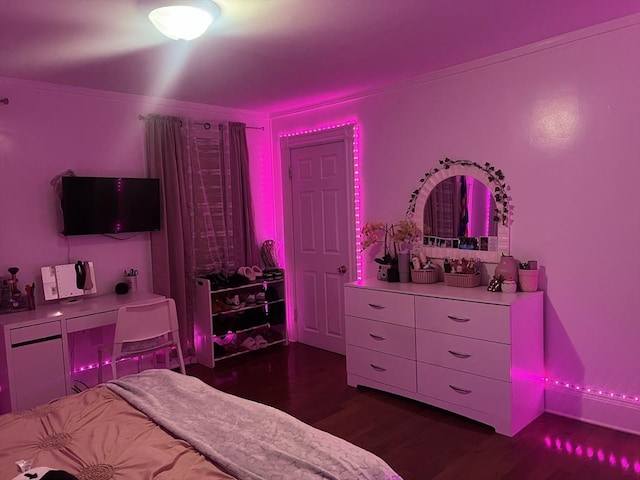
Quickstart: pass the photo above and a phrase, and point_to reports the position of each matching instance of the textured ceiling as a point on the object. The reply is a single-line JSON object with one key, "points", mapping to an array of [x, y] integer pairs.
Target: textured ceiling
{"points": [[271, 55]]}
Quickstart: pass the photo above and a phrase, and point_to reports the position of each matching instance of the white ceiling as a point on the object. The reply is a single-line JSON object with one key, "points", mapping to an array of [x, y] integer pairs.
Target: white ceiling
{"points": [[271, 55]]}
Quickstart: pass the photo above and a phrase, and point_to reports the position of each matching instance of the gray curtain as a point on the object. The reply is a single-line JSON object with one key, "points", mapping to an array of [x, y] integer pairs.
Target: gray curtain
{"points": [[198, 172], [210, 200], [172, 251], [236, 153]]}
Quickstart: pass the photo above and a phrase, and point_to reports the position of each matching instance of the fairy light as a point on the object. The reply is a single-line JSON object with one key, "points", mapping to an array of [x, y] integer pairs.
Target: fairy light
{"points": [[593, 391], [356, 179], [93, 366], [356, 198], [319, 129]]}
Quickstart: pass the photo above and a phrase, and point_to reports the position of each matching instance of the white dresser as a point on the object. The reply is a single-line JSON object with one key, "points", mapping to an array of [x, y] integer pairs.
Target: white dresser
{"points": [[466, 350]]}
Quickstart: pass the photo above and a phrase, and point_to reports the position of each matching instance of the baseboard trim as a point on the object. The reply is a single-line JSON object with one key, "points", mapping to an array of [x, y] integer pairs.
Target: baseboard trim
{"points": [[602, 412]]}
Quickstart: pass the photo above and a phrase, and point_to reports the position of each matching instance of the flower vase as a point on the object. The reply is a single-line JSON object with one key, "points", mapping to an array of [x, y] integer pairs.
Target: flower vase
{"points": [[507, 268], [404, 271], [393, 275]]}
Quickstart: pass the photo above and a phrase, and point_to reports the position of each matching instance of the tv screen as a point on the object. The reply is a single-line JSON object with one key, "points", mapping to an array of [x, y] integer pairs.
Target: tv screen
{"points": [[94, 205]]}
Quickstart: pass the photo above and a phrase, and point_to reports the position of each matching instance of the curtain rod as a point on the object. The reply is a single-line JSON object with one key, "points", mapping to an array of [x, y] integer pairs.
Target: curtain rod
{"points": [[207, 125]]}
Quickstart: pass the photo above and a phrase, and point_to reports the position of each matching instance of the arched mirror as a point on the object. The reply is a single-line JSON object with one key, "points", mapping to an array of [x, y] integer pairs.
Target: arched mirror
{"points": [[462, 206]]}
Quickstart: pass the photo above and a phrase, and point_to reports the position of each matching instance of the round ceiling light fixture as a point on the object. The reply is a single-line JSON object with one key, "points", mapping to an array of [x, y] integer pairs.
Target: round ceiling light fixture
{"points": [[182, 19]]}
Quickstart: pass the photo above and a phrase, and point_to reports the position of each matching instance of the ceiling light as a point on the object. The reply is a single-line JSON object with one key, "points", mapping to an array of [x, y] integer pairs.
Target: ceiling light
{"points": [[183, 20]]}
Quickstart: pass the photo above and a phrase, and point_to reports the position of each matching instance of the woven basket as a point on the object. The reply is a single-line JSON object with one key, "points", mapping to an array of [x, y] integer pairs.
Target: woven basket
{"points": [[424, 276], [462, 279]]}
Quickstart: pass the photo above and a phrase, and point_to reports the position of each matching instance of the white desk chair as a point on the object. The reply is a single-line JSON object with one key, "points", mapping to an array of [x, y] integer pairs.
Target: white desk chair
{"points": [[141, 329]]}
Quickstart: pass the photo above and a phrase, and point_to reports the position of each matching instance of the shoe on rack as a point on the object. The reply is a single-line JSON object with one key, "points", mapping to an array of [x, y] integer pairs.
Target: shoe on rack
{"points": [[237, 280], [271, 295], [222, 280], [260, 341], [270, 335], [257, 271], [249, 343], [213, 281], [233, 301], [247, 272], [218, 306]]}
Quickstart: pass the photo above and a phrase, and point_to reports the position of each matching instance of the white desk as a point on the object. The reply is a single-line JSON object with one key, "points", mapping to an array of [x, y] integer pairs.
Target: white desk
{"points": [[34, 345]]}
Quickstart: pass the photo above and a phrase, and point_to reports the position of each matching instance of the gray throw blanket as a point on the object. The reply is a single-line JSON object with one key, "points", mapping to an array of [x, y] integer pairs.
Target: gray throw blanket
{"points": [[250, 440]]}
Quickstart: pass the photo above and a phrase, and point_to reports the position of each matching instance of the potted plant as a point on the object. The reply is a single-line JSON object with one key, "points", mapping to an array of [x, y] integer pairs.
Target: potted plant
{"points": [[394, 238]]}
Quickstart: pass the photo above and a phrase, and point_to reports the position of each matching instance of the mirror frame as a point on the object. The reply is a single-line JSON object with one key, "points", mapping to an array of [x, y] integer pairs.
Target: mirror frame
{"points": [[494, 181]]}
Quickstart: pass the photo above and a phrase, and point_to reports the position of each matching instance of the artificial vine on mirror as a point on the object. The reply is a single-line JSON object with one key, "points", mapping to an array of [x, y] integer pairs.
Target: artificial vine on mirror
{"points": [[495, 177]]}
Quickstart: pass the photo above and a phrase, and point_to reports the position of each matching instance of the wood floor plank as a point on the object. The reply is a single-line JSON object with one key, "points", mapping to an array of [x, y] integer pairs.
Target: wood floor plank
{"points": [[419, 441]]}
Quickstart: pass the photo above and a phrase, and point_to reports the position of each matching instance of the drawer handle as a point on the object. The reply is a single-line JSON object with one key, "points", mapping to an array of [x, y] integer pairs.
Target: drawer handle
{"points": [[458, 319], [377, 307], [377, 368], [461, 391], [377, 337], [459, 355]]}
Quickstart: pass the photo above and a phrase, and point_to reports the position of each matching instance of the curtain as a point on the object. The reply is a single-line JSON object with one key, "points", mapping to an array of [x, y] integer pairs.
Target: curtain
{"points": [[172, 249], [209, 188], [236, 156], [207, 211]]}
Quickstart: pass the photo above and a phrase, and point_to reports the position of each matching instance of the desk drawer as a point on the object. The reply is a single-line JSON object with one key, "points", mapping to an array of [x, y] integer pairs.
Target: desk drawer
{"points": [[489, 359], [387, 307], [471, 391], [382, 337], [33, 333], [468, 319], [86, 322], [383, 368]]}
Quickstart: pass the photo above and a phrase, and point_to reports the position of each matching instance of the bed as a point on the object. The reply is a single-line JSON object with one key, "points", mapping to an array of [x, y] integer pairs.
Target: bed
{"points": [[159, 424]]}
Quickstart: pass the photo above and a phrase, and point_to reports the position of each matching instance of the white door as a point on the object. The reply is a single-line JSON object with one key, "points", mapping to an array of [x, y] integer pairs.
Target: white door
{"points": [[322, 219]]}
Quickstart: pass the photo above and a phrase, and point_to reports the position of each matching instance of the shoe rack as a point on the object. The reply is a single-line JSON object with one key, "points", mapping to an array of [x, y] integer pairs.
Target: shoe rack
{"points": [[234, 321]]}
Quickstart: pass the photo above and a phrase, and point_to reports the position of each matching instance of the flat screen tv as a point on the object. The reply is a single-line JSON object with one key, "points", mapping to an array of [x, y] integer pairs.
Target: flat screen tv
{"points": [[98, 205]]}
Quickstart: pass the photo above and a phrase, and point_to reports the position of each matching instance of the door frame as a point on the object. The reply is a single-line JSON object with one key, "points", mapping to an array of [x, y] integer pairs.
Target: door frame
{"points": [[346, 133]]}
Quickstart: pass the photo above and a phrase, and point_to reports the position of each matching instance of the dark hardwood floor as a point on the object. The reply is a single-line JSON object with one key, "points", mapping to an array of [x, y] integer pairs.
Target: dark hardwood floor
{"points": [[418, 441]]}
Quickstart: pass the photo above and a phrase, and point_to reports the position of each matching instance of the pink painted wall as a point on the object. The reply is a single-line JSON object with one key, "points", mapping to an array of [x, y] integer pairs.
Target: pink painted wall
{"points": [[562, 120], [47, 129]]}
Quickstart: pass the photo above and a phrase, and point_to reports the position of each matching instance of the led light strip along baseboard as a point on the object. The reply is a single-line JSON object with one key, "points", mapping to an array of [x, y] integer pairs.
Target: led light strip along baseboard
{"points": [[593, 391]]}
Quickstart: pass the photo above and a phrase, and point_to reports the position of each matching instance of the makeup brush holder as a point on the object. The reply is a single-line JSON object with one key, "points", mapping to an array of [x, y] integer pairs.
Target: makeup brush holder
{"points": [[132, 282]]}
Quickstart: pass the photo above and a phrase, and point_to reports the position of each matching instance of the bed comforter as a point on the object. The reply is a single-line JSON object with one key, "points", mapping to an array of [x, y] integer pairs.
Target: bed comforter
{"points": [[162, 425]]}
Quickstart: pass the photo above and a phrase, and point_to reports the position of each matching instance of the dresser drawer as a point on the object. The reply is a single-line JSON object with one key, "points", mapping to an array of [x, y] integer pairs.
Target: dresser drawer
{"points": [[387, 307], [381, 367], [489, 359], [470, 391], [381, 337], [469, 319]]}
